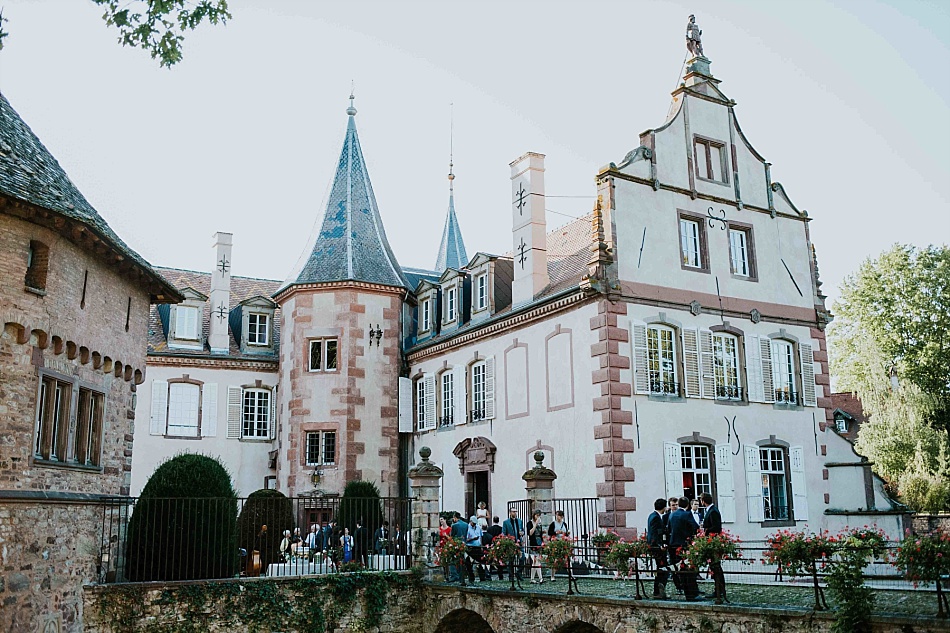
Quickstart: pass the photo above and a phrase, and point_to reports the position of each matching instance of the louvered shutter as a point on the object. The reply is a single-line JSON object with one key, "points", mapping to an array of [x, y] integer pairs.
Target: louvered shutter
{"points": [[706, 364], [405, 405], [768, 384], [796, 458], [159, 407], [490, 388], [273, 413], [209, 410], [725, 484], [234, 412], [753, 364], [674, 469], [430, 401], [641, 375], [808, 375], [691, 362], [460, 413], [753, 484]]}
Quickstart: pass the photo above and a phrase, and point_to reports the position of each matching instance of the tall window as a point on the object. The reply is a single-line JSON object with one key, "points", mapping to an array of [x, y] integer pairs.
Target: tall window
{"points": [[87, 445], [321, 448], [690, 244], [186, 323], [450, 304], [420, 404], [774, 484], [37, 265], [783, 372], [52, 419], [478, 391], [726, 366], [710, 160], [481, 291], [739, 252], [697, 476], [184, 404], [256, 414], [426, 314], [661, 360], [448, 399], [257, 332], [323, 354]]}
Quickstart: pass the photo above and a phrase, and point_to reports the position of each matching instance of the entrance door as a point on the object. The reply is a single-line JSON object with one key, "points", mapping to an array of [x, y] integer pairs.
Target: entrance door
{"points": [[476, 489]]}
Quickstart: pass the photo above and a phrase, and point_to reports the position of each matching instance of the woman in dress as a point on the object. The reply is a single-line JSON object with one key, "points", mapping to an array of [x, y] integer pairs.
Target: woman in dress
{"points": [[558, 529], [346, 544], [482, 515], [535, 541]]}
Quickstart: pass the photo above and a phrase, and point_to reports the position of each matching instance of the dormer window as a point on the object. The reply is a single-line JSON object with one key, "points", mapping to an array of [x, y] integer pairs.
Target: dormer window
{"points": [[426, 310], [481, 292], [258, 329], [450, 304], [186, 323]]}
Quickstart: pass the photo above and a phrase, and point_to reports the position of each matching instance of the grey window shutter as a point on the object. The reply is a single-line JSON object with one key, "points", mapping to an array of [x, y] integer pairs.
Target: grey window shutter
{"points": [[725, 484], [706, 364], [460, 413], [641, 375], [768, 385], [809, 398], [209, 409], [753, 484], [490, 388], [753, 364], [234, 412], [272, 426], [430, 401], [691, 362], [159, 414], [673, 466], [405, 405], [796, 458]]}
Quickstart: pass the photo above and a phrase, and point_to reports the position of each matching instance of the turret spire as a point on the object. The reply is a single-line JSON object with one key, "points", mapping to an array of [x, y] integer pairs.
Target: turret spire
{"points": [[452, 249]]}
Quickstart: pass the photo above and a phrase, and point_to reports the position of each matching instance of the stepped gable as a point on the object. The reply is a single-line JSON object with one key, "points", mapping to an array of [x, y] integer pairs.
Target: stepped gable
{"points": [[351, 244]]}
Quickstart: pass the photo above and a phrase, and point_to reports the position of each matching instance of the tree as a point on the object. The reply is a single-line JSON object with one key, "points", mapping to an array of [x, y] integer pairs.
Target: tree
{"points": [[890, 346], [265, 507], [157, 26]]}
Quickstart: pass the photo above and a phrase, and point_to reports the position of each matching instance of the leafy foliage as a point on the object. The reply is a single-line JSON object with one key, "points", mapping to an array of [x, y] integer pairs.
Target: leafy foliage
{"points": [[924, 558], [854, 550], [622, 552], [557, 552], [184, 526], [158, 26], [503, 550], [452, 551], [707, 549], [360, 501], [797, 553], [605, 539], [265, 507]]}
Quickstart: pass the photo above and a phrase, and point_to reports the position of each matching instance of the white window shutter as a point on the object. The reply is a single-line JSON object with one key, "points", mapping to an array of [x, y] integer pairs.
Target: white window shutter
{"points": [[768, 384], [234, 412], [706, 364], [272, 426], [673, 464], [809, 398], [641, 374], [725, 484], [209, 409], [430, 401], [691, 362], [159, 407], [753, 364], [796, 458], [490, 388], [405, 405], [753, 484], [460, 414]]}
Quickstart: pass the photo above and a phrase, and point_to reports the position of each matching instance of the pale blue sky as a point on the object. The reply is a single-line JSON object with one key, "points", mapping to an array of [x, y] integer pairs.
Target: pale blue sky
{"points": [[848, 100]]}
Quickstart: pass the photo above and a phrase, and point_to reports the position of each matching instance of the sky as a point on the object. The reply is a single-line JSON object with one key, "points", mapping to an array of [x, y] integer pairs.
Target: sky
{"points": [[849, 101]]}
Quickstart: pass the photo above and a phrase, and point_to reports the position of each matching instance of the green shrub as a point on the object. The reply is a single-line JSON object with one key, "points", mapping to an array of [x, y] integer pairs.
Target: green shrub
{"points": [[273, 509], [184, 525], [360, 501]]}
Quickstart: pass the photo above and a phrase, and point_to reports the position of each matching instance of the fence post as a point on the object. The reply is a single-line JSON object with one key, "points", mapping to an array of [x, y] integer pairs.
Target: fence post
{"points": [[424, 479], [539, 486]]}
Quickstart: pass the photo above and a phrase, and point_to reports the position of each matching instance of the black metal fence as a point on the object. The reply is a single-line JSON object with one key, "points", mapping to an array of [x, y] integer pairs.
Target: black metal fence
{"points": [[580, 515], [145, 539]]}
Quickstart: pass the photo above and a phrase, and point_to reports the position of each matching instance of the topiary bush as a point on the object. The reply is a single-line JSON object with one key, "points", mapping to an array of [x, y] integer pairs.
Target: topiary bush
{"points": [[273, 509], [360, 501], [184, 525]]}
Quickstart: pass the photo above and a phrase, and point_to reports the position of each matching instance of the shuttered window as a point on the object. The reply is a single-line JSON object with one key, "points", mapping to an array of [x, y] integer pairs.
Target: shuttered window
{"points": [[255, 414], [447, 399], [478, 391], [726, 366], [661, 360], [783, 372], [184, 408]]}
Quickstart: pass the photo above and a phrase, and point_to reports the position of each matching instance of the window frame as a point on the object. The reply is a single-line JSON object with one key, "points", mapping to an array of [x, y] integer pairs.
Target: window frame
{"points": [[658, 386], [709, 470], [79, 443], [168, 408], [446, 394], [700, 222], [451, 304], [178, 322], [478, 390], [323, 343], [766, 482], [258, 330], [481, 292], [321, 448], [841, 424], [789, 368], [727, 391], [426, 315], [752, 268], [419, 401], [37, 267], [708, 145], [255, 423]]}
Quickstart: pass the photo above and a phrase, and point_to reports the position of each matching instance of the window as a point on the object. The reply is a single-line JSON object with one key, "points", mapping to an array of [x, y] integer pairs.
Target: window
{"points": [[426, 314], [774, 484], [186, 323], [52, 419], [257, 332], [420, 404], [184, 404], [661, 360], [448, 399], [739, 252], [726, 366], [710, 159], [450, 304], [87, 447], [323, 354], [783, 372], [37, 265], [321, 448], [478, 391], [841, 423], [255, 414], [697, 475], [691, 243], [481, 292]]}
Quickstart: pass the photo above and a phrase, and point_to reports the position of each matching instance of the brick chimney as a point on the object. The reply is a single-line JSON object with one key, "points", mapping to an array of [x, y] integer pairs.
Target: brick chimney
{"points": [[220, 294], [528, 228]]}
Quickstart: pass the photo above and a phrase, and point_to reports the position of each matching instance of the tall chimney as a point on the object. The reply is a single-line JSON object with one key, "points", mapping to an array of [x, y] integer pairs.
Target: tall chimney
{"points": [[220, 294], [528, 228]]}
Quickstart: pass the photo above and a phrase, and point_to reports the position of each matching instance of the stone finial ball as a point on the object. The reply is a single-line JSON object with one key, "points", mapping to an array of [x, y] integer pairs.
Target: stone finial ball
{"points": [[538, 457], [424, 452]]}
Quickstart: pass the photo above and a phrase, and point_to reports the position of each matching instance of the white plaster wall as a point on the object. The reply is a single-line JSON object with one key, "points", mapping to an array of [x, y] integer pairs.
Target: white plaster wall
{"points": [[246, 460]]}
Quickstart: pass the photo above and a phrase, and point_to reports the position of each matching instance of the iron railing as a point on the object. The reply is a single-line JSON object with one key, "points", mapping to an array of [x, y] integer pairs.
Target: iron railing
{"points": [[729, 392], [665, 388], [446, 421], [145, 539], [785, 396]]}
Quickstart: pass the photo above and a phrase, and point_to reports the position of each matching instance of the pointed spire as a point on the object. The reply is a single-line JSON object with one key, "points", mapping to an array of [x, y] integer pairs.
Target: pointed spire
{"points": [[351, 244], [452, 249]]}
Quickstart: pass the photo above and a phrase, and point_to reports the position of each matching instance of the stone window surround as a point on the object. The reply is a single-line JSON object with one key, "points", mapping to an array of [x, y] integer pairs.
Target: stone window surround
{"points": [[727, 328], [313, 427], [73, 412], [784, 336], [753, 275], [710, 443], [271, 409], [191, 381], [37, 268], [677, 327], [682, 214], [457, 287], [309, 340], [774, 442], [710, 144], [470, 387]]}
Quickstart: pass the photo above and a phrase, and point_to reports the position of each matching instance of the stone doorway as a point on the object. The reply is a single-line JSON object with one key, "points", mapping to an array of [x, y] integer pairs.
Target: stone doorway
{"points": [[476, 457]]}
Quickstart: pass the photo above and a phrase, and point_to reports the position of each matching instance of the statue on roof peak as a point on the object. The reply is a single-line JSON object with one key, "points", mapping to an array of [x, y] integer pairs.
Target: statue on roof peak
{"points": [[694, 35]]}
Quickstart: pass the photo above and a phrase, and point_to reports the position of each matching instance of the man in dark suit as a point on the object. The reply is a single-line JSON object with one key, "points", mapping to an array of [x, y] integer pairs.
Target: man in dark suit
{"points": [[682, 530], [673, 505], [712, 524], [459, 531], [514, 528], [656, 538], [360, 543]]}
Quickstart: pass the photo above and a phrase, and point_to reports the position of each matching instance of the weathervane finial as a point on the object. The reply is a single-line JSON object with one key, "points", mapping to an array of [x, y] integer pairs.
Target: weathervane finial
{"points": [[352, 109], [451, 144]]}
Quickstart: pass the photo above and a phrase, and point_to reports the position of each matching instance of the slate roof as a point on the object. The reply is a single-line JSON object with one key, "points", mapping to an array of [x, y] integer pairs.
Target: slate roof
{"points": [[452, 248], [415, 275], [242, 288], [28, 172], [351, 244]]}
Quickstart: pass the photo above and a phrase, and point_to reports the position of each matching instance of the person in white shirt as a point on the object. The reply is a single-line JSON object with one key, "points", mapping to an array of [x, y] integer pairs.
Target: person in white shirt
{"points": [[696, 512]]}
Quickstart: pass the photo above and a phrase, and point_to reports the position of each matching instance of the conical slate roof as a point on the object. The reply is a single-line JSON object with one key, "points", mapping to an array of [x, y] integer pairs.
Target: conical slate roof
{"points": [[351, 245], [452, 250]]}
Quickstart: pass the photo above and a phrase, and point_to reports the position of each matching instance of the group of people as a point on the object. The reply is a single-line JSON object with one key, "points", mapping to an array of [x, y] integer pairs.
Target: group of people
{"points": [[671, 527], [339, 545]]}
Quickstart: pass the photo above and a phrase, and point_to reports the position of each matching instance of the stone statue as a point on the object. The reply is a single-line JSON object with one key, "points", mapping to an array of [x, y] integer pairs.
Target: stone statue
{"points": [[694, 34]]}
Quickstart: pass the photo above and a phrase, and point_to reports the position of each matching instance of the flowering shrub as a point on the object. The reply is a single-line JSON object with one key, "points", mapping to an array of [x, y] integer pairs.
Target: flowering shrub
{"points": [[605, 539], [796, 553], [872, 541], [502, 550], [452, 551], [622, 552], [557, 552], [707, 549], [924, 558]]}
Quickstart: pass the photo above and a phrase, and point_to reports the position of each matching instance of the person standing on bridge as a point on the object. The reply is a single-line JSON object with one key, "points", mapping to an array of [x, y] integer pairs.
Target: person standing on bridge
{"points": [[514, 528]]}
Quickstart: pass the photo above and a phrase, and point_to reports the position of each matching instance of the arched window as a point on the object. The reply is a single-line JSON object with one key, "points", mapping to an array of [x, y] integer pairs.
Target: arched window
{"points": [[726, 366], [661, 360], [784, 371]]}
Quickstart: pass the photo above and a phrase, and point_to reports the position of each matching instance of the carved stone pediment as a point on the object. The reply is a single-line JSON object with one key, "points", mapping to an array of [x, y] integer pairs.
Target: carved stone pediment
{"points": [[474, 454]]}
